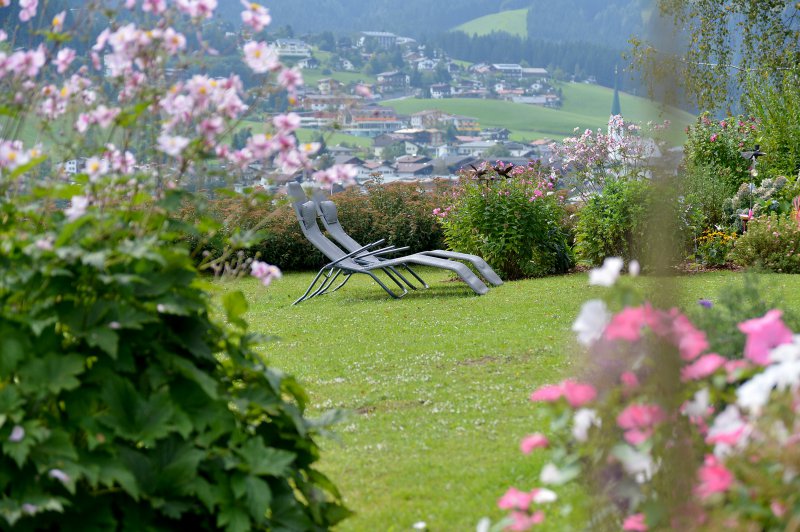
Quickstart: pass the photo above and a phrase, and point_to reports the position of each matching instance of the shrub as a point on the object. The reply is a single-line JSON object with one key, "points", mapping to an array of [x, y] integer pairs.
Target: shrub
{"points": [[772, 242], [126, 402], [614, 222], [706, 191], [717, 145], [663, 433], [515, 224], [714, 246], [751, 200]]}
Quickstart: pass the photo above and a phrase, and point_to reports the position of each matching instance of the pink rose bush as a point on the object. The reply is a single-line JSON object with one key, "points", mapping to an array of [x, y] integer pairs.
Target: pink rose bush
{"points": [[673, 436]]}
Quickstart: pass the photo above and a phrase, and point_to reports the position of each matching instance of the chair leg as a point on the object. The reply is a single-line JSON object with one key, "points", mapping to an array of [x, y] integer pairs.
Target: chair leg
{"points": [[388, 291], [346, 278], [310, 287], [417, 277], [330, 278], [389, 273], [402, 278]]}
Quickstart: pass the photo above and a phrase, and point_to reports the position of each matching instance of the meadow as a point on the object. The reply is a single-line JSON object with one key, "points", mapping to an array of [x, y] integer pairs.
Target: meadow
{"points": [[436, 385], [513, 22]]}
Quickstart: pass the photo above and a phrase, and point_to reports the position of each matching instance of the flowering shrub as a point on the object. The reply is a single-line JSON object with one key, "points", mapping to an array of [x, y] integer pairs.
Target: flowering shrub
{"points": [[714, 246], [718, 145], [772, 242], [614, 222], [670, 434], [123, 403], [751, 200], [594, 157], [514, 222]]}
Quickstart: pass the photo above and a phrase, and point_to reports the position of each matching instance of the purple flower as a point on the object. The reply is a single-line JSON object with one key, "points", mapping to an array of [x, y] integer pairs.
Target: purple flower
{"points": [[29, 508], [17, 434], [706, 303], [59, 475]]}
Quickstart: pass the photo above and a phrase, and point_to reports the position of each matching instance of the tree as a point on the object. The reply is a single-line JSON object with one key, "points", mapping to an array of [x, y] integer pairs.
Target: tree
{"points": [[726, 42]]}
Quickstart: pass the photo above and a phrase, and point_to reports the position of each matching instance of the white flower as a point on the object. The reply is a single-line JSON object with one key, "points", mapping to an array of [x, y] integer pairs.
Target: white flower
{"points": [[96, 167], [544, 495], [172, 145], [634, 268], [77, 207], [484, 525], [636, 463], [698, 406], [607, 274], [420, 525], [582, 421], [553, 475], [729, 430], [591, 322]]}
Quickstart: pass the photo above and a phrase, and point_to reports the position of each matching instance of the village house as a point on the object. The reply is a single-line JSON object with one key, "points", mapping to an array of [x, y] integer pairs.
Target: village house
{"points": [[475, 148], [292, 48], [369, 121], [329, 86], [507, 69], [308, 62], [391, 81], [441, 90], [381, 39]]}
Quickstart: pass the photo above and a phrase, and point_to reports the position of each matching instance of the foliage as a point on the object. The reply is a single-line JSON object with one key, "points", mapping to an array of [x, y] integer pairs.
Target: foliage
{"points": [[771, 241], [614, 223], [713, 247], [706, 191], [515, 223], [124, 402], [726, 40], [769, 196], [777, 110], [667, 434]]}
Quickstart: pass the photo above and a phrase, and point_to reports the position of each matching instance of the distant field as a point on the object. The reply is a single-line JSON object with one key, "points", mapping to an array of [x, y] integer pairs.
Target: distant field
{"points": [[312, 75], [513, 22], [585, 106]]}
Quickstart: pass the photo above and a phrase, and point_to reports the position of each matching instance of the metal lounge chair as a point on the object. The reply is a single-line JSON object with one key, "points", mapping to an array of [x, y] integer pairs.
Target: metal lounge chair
{"points": [[327, 212], [295, 191], [346, 263]]}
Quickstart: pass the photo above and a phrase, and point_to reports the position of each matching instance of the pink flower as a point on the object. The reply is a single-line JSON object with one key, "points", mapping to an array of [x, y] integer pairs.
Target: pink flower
{"points": [[77, 208], [702, 367], [690, 341], [514, 499], [635, 523], [363, 91], [629, 380], [548, 393], [27, 9], [577, 393], [17, 434], [639, 422], [778, 509], [156, 6], [290, 79], [713, 138], [255, 15], [626, 325], [172, 145], [197, 8], [533, 441], [714, 478], [763, 334], [64, 58], [264, 272], [521, 521], [260, 57], [286, 123], [58, 22]]}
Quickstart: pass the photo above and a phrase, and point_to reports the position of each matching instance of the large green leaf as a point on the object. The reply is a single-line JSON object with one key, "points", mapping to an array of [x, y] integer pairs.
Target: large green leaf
{"points": [[52, 373], [262, 460], [132, 416]]}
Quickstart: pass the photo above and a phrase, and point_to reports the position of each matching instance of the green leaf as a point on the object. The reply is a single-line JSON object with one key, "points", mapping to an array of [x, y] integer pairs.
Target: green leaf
{"points": [[133, 417], [261, 460], [12, 349], [51, 373], [235, 306], [206, 382], [258, 497], [104, 338]]}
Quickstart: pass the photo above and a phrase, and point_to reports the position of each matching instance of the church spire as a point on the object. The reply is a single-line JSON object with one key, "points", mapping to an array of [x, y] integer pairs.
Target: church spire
{"points": [[616, 108]]}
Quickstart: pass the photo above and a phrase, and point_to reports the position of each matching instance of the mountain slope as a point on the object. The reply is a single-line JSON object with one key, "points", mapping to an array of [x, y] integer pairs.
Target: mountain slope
{"points": [[513, 22]]}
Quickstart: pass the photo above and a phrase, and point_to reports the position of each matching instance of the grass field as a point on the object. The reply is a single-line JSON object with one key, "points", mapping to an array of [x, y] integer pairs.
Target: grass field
{"points": [[332, 138], [437, 385], [513, 22], [312, 75], [585, 106]]}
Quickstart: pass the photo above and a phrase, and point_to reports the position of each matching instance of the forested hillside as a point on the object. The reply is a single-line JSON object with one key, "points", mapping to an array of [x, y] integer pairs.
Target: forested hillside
{"points": [[407, 17], [608, 23]]}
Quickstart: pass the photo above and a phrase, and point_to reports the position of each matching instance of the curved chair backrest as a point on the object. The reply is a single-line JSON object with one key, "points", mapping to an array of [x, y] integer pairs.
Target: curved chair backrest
{"points": [[295, 191], [330, 219], [307, 214]]}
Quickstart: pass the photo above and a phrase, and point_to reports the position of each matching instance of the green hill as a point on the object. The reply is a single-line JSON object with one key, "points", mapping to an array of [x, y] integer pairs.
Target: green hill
{"points": [[513, 22], [585, 106]]}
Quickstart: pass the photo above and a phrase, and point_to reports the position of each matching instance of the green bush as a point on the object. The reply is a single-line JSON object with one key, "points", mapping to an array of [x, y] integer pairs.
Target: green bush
{"points": [[123, 403], [614, 223], [714, 246], [772, 242], [517, 224], [706, 190], [401, 213]]}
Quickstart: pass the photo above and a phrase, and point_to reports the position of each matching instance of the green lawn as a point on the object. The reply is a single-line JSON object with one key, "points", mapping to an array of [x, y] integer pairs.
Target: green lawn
{"points": [[312, 75], [437, 385], [514, 22], [585, 106], [332, 138]]}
